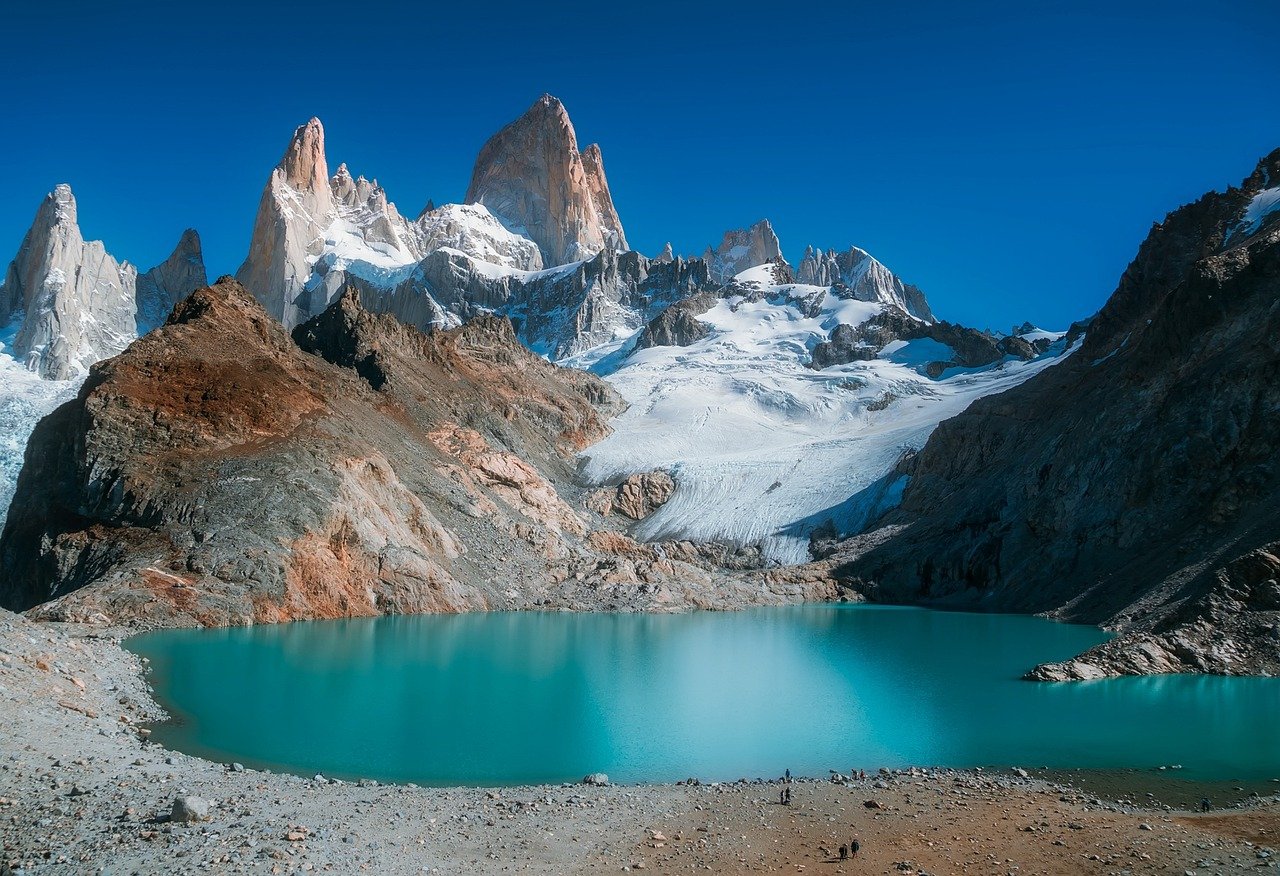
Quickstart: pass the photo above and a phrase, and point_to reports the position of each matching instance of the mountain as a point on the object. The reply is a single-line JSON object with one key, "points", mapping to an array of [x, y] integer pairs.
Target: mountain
{"points": [[221, 471], [315, 236], [864, 276], [76, 302], [1134, 485], [531, 175], [768, 446], [743, 249], [65, 304], [160, 289]]}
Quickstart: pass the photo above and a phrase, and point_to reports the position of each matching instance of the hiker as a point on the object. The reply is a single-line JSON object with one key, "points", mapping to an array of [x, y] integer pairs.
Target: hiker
{"points": [[782, 797], [862, 774], [1205, 805], [854, 846], [844, 853], [788, 793], [788, 777]]}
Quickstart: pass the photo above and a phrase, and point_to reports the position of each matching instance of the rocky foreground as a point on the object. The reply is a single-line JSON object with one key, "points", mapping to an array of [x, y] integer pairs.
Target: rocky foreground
{"points": [[83, 791]]}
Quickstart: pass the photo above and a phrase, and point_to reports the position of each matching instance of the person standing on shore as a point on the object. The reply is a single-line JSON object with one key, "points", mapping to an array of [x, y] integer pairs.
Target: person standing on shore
{"points": [[854, 845], [788, 775]]}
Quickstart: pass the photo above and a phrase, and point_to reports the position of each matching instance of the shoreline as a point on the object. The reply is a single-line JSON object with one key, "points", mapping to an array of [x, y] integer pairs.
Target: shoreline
{"points": [[82, 789]]}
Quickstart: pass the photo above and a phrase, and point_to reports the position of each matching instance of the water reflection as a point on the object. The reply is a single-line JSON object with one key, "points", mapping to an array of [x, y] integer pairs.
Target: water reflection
{"points": [[525, 697]]}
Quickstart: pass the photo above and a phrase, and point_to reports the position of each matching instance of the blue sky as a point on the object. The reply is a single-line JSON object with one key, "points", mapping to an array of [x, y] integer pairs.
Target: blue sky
{"points": [[1006, 157]]}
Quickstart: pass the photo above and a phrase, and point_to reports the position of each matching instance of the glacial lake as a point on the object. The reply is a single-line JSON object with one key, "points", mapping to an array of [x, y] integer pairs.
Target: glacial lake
{"points": [[531, 697]]}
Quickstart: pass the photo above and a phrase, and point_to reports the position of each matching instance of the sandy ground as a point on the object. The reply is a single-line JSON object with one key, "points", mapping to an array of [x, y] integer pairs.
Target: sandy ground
{"points": [[82, 790]]}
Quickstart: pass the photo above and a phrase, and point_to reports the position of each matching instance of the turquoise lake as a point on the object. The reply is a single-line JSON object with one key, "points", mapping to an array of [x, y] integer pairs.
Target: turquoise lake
{"points": [[528, 697]]}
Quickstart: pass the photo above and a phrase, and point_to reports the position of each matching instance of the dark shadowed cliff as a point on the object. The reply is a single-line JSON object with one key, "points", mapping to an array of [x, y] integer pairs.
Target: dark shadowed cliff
{"points": [[1136, 483]]}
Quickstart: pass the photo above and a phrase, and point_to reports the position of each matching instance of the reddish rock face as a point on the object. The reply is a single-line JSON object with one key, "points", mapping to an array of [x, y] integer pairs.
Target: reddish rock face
{"points": [[637, 497], [217, 472], [531, 175], [222, 471]]}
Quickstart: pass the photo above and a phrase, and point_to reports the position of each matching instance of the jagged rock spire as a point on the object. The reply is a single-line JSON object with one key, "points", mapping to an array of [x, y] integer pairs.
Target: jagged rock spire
{"points": [[742, 249], [532, 176], [78, 302], [169, 282], [865, 278], [296, 208]]}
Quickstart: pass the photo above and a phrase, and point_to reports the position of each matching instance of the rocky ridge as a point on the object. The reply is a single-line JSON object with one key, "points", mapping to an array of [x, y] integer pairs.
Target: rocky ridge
{"points": [[1133, 486], [222, 472], [865, 278]]}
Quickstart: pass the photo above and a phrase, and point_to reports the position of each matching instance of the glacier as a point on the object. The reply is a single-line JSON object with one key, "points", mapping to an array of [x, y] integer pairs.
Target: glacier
{"points": [[764, 450]]}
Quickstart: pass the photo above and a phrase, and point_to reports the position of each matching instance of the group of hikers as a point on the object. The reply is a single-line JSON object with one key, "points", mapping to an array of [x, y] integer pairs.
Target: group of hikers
{"points": [[847, 851]]}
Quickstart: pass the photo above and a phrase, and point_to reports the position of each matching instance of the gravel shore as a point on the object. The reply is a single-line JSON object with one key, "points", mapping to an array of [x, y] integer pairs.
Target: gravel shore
{"points": [[83, 790]]}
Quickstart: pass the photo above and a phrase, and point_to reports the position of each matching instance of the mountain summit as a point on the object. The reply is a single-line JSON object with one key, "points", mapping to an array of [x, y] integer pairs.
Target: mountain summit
{"points": [[531, 175]]}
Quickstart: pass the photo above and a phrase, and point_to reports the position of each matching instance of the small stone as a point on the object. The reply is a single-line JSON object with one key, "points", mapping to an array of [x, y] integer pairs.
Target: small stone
{"points": [[598, 779], [189, 809]]}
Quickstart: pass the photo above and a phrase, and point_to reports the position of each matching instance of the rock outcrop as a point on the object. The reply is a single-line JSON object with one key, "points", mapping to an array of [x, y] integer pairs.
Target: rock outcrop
{"points": [[743, 249], [1135, 484], [864, 277], [678, 325], [221, 471], [638, 496], [966, 347], [532, 176]]}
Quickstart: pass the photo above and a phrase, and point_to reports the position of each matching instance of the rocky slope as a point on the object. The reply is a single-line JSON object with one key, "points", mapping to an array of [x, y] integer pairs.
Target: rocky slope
{"points": [[1135, 485], [221, 471], [532, 176]]}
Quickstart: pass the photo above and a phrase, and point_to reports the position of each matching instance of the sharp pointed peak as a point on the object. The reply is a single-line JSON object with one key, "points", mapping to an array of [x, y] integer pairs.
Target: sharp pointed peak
{"points": [[59, 206], [303, 161]]}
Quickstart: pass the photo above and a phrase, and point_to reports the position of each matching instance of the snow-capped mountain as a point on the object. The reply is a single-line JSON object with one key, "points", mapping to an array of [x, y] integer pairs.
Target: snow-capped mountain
{"points": [[764, 449], [77, 302], [742, 249], [779, 407], [66, 303], [316, 234], [866, 278]]}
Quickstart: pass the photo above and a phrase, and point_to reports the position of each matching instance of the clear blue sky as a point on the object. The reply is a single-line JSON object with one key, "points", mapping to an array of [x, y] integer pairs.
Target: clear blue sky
{"points": [[1008, 157]]}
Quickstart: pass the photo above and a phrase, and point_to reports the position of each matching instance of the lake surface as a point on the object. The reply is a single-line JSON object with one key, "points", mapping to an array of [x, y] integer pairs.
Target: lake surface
{"points": [[527, 697]]}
